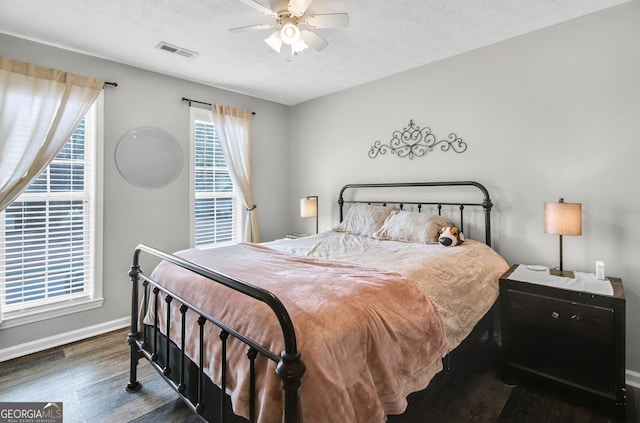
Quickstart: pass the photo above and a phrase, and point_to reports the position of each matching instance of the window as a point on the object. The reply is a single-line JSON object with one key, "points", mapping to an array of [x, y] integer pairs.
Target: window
{"points": [[215, 206], [50, 237]]}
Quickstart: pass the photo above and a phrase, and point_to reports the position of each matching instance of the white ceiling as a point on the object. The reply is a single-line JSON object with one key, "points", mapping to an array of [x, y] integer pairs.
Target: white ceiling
{"points": [[384, 37]]}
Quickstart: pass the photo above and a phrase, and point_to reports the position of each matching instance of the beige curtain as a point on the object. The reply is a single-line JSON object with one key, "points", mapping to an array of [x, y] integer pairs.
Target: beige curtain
{"points": [[39, 110], [233, 127]]}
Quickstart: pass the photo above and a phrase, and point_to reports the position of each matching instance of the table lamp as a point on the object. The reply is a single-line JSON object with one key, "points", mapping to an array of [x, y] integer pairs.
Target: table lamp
{"points": [[309, 208], [562, 219]]}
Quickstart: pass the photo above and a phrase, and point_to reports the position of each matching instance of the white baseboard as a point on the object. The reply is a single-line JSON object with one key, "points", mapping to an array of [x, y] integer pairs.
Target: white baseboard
{"points": [[62, 339], [632, 378]]}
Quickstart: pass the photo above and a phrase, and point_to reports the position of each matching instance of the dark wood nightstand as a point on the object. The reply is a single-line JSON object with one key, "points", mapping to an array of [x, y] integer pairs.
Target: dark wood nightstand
{"points": [[573, 337]]}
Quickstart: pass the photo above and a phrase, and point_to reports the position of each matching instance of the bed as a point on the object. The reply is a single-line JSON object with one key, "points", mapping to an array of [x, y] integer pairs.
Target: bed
{"points": [[350, 320]]}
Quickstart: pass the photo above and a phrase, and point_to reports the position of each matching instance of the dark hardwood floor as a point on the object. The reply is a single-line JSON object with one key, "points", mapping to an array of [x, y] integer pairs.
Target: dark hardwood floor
{"points": [[89, 378]]}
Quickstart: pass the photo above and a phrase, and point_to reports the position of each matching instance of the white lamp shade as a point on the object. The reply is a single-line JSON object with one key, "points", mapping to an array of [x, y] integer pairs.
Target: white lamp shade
{"points": [[563, 218], [274, 41], [309, 207], [298, 47]]}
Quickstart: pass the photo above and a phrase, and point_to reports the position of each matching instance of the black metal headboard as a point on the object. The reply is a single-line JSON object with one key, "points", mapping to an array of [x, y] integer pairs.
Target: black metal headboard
{"points": [[486, 203]]}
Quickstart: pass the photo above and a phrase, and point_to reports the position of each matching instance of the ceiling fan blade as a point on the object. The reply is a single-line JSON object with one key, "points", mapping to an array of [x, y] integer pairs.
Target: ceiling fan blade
{"points": [[298, 7], [259, 7], [329, 20], [252, 27], [313, 40]]}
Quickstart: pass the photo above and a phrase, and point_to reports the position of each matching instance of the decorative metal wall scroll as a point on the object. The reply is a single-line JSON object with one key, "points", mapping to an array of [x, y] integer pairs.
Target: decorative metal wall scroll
{"points": [[414, 141]]}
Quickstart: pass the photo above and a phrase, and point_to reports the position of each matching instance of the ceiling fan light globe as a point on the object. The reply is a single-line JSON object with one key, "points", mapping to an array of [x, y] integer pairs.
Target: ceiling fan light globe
{"points": [[298, 47], [289, 34], [274, 41]]}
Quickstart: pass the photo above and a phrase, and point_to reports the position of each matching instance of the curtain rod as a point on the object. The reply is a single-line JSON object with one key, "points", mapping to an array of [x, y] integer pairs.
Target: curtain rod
{"points": [[201, 102], [113, 84]]}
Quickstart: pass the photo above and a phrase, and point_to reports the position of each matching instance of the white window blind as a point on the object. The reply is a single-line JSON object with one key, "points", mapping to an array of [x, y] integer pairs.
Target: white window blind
{"points": [[216, 208], [48, 234]]}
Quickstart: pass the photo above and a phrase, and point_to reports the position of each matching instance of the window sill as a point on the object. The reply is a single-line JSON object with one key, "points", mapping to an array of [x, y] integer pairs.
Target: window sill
{"points": [[215, 245], [48, 312]]}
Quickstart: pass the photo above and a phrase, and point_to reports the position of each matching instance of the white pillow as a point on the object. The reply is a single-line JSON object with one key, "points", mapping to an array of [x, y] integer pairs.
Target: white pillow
{"points": [[412, 227], [364, 219]]}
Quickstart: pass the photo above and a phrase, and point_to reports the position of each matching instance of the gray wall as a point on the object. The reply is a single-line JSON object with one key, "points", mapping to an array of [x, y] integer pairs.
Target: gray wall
{"points": [[158, 217], [555, 113]]}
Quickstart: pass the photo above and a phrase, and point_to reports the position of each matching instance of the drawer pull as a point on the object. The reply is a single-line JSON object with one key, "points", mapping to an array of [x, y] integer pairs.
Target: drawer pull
{"points": [[555, 315], [575, 316]]}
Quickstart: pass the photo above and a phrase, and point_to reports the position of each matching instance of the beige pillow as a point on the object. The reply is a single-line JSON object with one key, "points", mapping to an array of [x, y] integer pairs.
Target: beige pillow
{"points": [[364, 219], [412, 227]]}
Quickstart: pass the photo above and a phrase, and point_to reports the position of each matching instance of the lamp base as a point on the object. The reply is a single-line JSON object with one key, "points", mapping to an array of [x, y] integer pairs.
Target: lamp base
{"points": [[563, 273]]}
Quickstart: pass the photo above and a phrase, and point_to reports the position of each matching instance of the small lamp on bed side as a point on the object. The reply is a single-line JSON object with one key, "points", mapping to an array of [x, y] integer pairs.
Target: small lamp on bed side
{"points": [[562, 219], [309, 208]]}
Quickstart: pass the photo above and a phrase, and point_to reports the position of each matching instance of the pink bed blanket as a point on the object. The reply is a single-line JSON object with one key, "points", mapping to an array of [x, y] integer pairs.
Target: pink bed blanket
{"points": [[368, 337]]}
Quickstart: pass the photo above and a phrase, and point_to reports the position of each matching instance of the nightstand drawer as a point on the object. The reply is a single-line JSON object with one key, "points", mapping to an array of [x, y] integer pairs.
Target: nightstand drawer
{"points": [[587, 321]]}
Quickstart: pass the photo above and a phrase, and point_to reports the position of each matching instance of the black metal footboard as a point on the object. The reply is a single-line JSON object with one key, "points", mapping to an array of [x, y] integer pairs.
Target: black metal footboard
{"points": [[150, 343]]}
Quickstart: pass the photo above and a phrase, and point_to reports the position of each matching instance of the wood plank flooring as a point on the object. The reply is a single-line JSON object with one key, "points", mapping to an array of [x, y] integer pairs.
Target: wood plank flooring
{"points": [[89, 378]]}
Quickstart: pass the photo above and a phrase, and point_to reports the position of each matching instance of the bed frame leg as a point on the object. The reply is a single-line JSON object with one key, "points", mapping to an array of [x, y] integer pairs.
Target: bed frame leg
{"points": [[132, 339], [134, 385], [290, 369]]}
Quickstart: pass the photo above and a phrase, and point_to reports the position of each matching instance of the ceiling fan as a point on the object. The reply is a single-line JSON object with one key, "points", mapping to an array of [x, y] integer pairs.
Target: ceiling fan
{"points": [[292, 26]]}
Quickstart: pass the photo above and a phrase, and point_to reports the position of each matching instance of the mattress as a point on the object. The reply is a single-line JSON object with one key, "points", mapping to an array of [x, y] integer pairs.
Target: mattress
{"points": [[462, 281]]}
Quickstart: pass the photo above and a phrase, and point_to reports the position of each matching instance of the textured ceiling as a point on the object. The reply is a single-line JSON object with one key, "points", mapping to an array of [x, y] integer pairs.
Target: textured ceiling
{"points": [[384, 37]]}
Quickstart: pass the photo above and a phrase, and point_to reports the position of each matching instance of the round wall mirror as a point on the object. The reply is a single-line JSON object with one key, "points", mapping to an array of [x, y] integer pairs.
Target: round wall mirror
{"points": [[149, 157]]}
